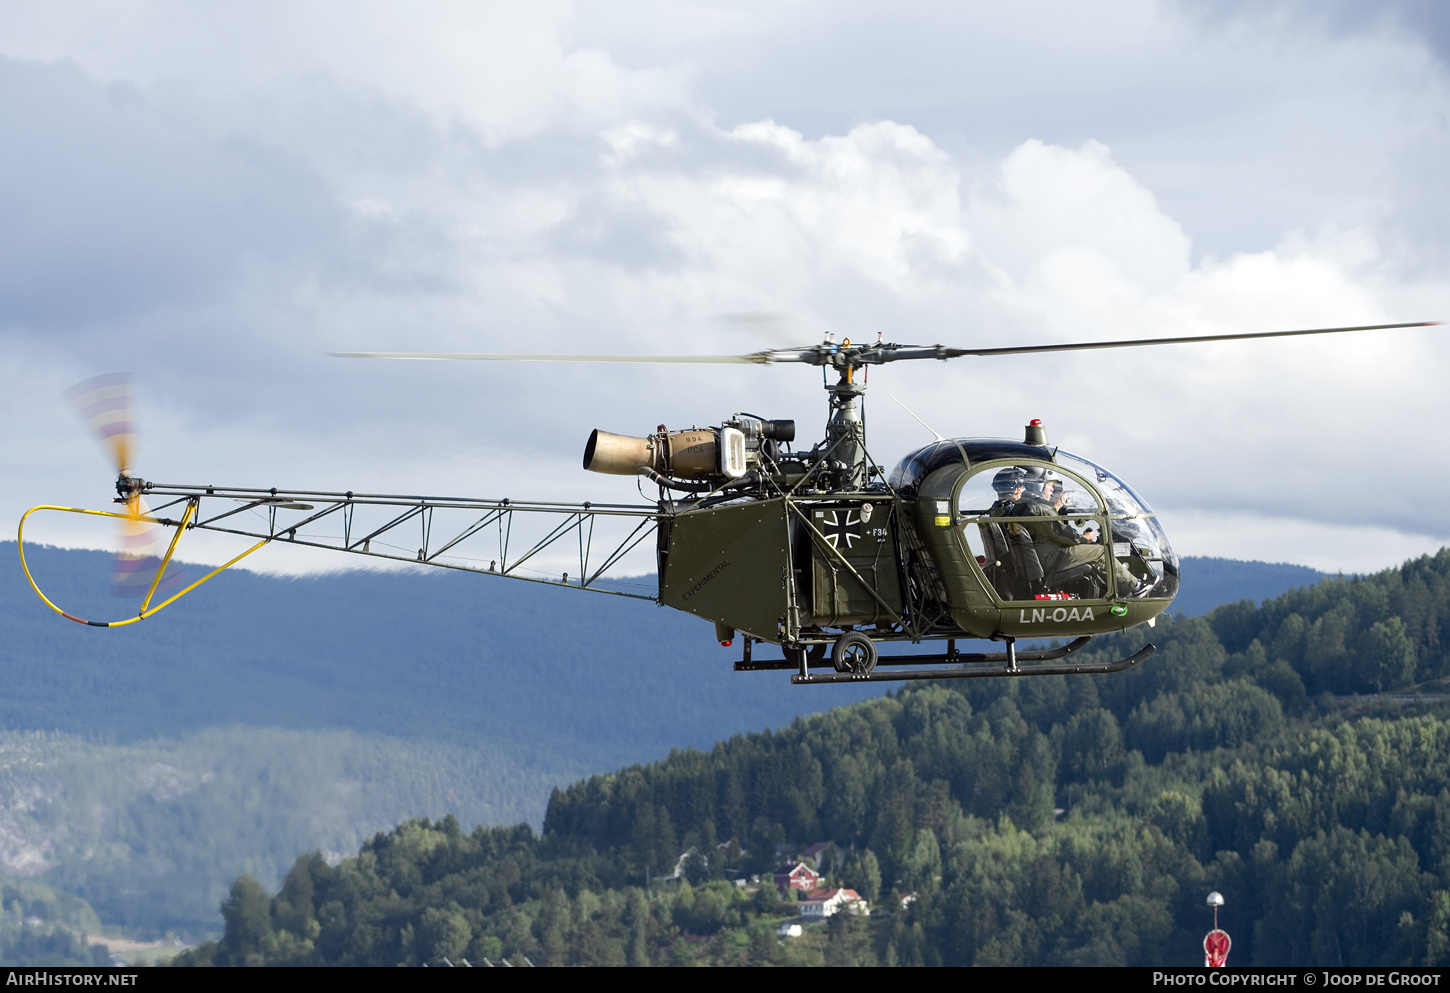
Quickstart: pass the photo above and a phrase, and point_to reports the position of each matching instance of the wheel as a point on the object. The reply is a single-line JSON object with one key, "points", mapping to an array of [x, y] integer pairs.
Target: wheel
{"points": [[854, 653], [815, 654]]}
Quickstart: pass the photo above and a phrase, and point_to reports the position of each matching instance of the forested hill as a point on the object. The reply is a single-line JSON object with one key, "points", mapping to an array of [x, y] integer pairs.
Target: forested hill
{"points": [[1056, 820], [259, 716]]}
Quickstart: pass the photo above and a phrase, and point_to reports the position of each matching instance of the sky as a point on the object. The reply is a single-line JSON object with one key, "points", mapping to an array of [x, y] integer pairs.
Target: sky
{"points": [[214, 196]]}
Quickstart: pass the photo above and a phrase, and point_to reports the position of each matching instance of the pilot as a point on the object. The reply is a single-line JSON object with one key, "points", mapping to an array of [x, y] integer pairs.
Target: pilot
{"points": [[1060, 547]]}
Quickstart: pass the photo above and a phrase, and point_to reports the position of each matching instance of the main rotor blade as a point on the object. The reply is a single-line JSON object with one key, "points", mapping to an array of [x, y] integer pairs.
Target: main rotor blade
{"points": [[856, 356], [951, 353], [756, 358]]}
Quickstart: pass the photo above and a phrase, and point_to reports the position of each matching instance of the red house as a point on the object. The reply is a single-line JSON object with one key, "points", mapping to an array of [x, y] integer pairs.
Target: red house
{"points": [[799, 876]]}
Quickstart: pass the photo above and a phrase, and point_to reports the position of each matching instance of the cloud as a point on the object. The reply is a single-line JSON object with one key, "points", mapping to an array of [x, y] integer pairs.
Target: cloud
{"points": [[214, 199], [1426, 21], [111, 211], [1056, 213]]}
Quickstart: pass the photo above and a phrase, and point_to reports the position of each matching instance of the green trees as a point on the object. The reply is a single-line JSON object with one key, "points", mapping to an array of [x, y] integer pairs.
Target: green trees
{"points": [[1208, 716], [863, 874], [1091, 745], [43, 926], [1347, 898], [1387, 655], [1330, 840]]}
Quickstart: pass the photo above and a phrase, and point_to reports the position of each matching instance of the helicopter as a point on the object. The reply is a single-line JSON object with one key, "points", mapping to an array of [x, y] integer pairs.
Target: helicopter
{"points": [[821, 551]]}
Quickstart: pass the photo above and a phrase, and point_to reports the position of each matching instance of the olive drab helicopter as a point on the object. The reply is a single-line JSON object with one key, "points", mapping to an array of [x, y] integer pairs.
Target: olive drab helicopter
{"points": [[819, 550]]}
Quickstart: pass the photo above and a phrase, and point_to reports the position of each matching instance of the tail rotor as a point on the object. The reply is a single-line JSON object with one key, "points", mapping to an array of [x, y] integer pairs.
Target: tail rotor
{"points": [[107, 405]]}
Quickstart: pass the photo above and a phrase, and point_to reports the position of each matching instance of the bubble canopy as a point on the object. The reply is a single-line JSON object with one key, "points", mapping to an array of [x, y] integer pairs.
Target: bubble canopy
{"points": [[1044, 521]]}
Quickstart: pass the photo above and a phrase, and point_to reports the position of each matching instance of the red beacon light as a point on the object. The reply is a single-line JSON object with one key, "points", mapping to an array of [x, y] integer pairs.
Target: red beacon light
{"points": [[1036, 433], [727, 644]]}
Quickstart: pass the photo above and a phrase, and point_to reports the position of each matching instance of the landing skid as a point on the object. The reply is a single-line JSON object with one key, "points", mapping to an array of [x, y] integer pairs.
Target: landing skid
{"points": [[966, 665], [976, 671]]}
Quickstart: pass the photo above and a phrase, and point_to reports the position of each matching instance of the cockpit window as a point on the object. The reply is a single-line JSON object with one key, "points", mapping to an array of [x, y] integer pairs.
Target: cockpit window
{"points": [[1036, 532], [1063, 530]]}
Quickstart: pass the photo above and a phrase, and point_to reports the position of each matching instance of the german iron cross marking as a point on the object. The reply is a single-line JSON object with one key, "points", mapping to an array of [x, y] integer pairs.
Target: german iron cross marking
{"points": [[842, 526]]}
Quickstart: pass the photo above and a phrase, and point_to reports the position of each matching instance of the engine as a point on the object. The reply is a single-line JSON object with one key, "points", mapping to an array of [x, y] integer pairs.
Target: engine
{"points": [[713, 455]]}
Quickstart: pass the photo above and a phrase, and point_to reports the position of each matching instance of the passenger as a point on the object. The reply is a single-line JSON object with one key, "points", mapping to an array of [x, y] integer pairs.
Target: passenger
{"points": [[1059, 503], [1042, 498]]}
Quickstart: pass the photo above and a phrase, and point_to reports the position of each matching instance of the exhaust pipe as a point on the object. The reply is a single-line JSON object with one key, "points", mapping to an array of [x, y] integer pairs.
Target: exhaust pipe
{"points": [[682, 454], [621, 455]]}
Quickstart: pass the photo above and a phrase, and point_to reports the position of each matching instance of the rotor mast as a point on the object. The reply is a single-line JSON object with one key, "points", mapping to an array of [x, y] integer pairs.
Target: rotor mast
{"points": [[845, 444], [845, 427]]}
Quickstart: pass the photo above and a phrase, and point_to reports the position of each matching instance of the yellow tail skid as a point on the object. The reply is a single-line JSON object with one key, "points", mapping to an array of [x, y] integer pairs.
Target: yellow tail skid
{"points": [[146, 609]]}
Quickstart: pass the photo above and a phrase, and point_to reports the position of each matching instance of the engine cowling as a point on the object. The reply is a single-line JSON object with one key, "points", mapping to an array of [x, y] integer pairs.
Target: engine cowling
{"points": [[720, 453]]}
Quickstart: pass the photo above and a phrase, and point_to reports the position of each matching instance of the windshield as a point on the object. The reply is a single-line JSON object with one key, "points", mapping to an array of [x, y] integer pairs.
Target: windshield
{"points": [[1138, 537]]}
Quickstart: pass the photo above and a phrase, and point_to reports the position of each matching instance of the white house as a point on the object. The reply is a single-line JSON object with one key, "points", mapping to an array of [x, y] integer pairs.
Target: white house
{"points": [[821, 904]]}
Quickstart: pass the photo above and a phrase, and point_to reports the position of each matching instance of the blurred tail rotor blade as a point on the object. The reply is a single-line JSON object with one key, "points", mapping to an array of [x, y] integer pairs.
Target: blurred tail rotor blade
{"points": [[107, 405], [138, 554]]}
